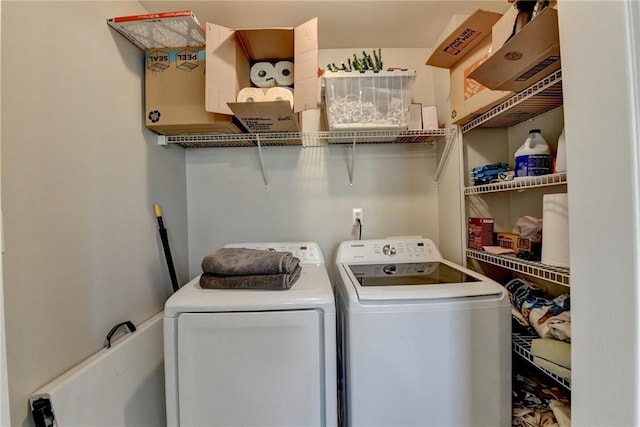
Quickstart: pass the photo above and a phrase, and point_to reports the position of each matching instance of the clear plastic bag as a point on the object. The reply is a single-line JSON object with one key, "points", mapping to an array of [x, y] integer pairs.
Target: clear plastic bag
{"points": [[529, 227]]}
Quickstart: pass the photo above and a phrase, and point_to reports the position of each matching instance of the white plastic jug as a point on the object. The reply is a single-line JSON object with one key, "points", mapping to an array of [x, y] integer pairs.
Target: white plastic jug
{"points": [[533, 158]]}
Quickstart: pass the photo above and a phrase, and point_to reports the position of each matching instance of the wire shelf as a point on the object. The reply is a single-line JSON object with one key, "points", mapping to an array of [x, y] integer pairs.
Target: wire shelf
{"points": [[538, 270], [232, 140], [306, 139], [519, 184], [522, 347], [378, 136], [539, 98]]}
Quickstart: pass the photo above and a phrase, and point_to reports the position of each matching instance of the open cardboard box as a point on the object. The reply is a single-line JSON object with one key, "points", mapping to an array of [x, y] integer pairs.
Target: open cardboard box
{"points": [[462, 52], [530, 55], [230, 54], [463, 39]]}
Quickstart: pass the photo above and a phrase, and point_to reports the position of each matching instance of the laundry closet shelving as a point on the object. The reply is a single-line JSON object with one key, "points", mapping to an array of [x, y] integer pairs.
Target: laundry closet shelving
{"points": [[544, 98], [304, 139], [310, 139]]}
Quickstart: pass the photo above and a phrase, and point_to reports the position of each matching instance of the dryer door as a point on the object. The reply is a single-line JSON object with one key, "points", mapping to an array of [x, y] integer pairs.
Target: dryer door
{"points": [[250, 369]]}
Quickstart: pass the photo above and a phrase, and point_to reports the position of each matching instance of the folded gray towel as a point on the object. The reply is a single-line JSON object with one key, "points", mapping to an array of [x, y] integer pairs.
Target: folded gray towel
{"points": [[244, 262], [262, 281]]}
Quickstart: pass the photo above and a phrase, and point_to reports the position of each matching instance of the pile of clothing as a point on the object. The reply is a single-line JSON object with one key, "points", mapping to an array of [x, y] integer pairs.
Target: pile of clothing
{"points": [[536, 404], [241, 268], [549, 318]]}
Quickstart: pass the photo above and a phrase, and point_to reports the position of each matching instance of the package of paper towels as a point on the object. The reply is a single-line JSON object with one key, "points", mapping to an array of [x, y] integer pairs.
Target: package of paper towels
{"points": [[555, 230], [284, 73], [263, 74], [256, 94], [267, 74]]}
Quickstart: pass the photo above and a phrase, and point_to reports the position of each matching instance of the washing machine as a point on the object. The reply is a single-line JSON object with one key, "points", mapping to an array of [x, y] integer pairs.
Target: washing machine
{"points": [[254, 357], [422, 341]]}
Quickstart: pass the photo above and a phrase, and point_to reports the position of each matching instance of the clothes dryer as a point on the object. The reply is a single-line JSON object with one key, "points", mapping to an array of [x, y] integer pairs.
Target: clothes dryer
{"points": [[423, 341], [254, 357]]}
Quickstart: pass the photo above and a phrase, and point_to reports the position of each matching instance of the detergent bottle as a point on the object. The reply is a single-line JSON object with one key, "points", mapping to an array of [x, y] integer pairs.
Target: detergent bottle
{"points": [[533, 158]]}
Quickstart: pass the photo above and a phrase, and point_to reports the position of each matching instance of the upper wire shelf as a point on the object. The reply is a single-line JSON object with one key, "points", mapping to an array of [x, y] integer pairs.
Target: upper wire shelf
{"points": [[539, 98], [519, 184], [305, 139]]}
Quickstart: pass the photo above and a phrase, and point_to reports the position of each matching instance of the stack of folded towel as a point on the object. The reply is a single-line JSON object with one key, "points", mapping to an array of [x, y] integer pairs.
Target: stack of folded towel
{"points": [[553, 355], [240, 268]]}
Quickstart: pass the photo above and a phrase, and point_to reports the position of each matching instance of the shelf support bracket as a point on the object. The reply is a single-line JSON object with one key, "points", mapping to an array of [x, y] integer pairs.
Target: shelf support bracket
{"points": [[264, 173], [352, 163], [450, 139]]}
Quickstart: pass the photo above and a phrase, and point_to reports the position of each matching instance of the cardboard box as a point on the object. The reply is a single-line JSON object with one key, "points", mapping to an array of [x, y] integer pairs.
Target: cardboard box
{"points": [[462, 52], [415, 116], [511, 23], [480, 232], [469, 98], [429, 117], [463, 39], [529, 56], [160, 30], [230, 54], [174, 94], [517, 243], [505, 28]]}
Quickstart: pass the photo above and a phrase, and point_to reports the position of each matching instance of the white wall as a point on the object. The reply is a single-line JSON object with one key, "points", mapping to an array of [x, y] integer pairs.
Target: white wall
{"points": [[80, 174], [600, 82], [309, 196]]}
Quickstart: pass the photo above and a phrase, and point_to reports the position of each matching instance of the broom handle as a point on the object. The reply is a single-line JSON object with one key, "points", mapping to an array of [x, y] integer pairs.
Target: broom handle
{"points": [[165, 245]]}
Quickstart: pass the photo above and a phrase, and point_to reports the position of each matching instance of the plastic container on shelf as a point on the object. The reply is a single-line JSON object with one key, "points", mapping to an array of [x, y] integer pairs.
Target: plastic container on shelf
{"points": [[533, 158], [369, 99]]}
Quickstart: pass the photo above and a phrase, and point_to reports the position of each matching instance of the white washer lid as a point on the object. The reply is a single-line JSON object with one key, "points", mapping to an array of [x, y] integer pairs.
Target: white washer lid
{"points": [[482, 287], [312, 290]]}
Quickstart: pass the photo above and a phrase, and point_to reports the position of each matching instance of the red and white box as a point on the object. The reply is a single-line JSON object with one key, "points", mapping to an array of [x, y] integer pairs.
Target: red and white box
{"points": [[161, 30], [480, 233]]}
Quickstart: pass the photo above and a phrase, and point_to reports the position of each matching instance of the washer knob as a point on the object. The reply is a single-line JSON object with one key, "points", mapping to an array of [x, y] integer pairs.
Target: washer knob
{"points": [[388, 250]]}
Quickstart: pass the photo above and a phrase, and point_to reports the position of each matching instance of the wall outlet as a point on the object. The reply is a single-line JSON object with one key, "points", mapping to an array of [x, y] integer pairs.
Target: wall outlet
{"points": [[357, 213]]}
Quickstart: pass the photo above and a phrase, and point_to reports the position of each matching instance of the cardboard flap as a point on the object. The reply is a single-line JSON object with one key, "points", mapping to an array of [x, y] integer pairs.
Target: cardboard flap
{"points": [[504, 29], [463, 39], [270, 44], [224, 59], [530, 55], [306, 66], [272, 116]]}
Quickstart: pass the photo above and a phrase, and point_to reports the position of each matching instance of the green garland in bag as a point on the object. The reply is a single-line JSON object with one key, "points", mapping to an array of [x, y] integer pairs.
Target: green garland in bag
{"points": [[360, 64]]}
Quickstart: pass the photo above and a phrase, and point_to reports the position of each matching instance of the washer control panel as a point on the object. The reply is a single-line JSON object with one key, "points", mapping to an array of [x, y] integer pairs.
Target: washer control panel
{"points": [[306, 252], [384, 250]]}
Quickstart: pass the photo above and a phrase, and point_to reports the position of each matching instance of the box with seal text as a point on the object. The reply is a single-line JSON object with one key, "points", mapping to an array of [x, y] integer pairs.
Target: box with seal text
{"points": [[175, 94]]}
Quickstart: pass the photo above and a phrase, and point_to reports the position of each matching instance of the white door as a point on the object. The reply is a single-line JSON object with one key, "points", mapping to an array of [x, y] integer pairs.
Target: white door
{"points": [[4, 388], [251, 369]]}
